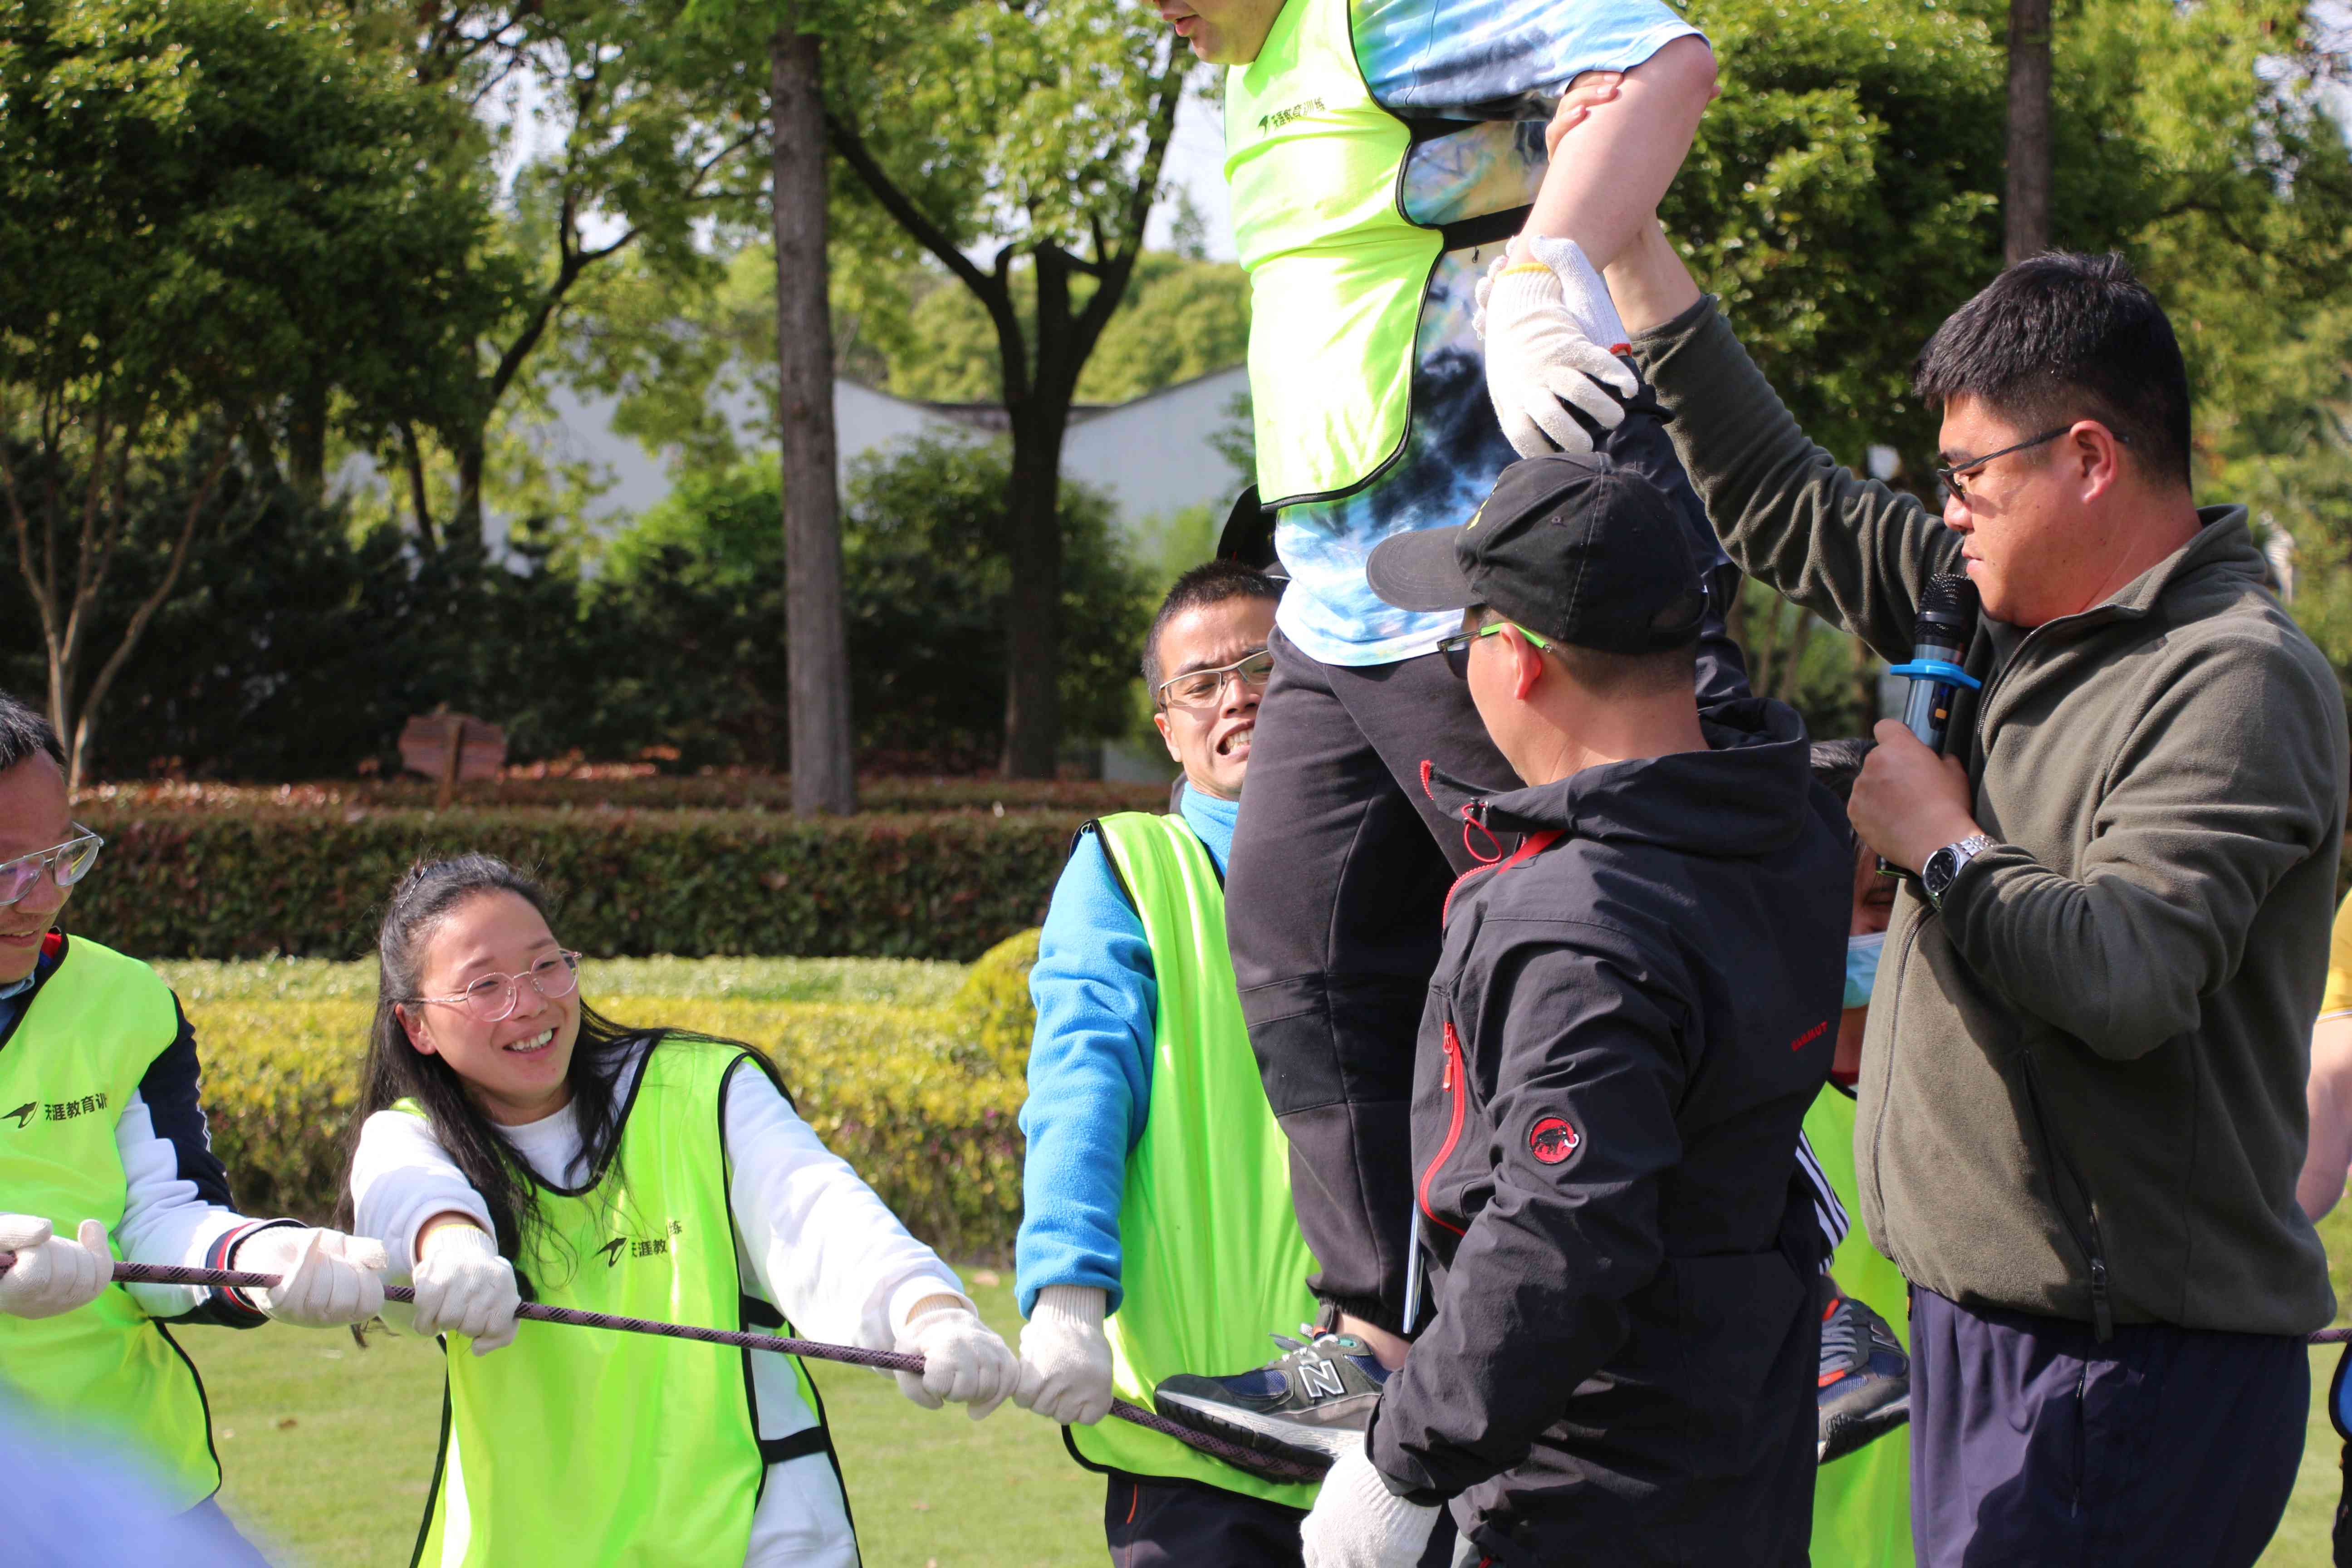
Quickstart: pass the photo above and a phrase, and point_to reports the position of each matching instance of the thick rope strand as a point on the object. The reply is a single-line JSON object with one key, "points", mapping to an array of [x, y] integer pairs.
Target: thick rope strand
{"points": [[814, 1350]]}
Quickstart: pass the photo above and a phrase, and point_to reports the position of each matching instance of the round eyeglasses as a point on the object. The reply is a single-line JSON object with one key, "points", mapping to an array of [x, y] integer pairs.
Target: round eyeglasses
{"points": [[65, 863], [493, 997]]}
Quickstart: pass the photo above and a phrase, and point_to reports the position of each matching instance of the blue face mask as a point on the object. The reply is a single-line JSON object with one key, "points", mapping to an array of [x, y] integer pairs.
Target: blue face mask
{"points": [[1862, 967]]}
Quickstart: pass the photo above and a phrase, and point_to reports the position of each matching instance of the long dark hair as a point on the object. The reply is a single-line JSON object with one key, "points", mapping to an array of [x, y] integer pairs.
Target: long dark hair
{"points": [[429, 894]]}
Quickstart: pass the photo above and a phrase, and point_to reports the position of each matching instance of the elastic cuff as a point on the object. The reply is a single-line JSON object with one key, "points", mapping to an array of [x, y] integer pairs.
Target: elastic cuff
{"points": [[905, 1299], [1581, 287], [1083, 1305], [222, 1255], [1520, 290]]}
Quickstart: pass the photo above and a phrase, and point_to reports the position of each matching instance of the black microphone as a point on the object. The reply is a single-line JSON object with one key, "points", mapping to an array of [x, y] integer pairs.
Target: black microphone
{"points": [[1947, 625]]}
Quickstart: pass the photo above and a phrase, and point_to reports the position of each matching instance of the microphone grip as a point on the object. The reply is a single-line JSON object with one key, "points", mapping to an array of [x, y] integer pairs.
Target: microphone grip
{"points": [[1927, 714]]}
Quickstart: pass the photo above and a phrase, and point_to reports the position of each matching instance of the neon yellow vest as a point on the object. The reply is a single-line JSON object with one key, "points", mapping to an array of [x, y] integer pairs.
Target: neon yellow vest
{"points": [[91, 1031], [1208, 1186], [593, 1449], [1337, 270], [1862, 1504]]}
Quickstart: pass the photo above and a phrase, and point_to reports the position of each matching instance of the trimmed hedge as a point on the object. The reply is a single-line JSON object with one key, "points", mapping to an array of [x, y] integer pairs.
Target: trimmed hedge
{"points": [[247, 884], [908, 1094], [592, 790]]}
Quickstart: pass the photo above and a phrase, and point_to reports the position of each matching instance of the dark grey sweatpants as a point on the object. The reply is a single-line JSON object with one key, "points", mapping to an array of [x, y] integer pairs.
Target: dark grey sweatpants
{"points": [[2034, 1447]]}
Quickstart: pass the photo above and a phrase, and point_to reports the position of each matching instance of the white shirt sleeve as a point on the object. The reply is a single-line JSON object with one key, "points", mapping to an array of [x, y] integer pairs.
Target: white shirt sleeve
{"points": [[163, 1220], [401, 1177], [826, 1251]]}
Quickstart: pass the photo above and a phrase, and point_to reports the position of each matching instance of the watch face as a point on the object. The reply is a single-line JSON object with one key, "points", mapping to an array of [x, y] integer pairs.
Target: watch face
{"points": [[1938, 874]]}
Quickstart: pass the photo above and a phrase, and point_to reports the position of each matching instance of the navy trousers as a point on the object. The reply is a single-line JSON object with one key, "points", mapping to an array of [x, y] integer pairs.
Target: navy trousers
{"points": [[2032, 1445]]}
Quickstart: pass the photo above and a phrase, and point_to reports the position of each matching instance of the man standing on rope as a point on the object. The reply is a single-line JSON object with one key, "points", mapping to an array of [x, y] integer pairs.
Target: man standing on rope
{"points": [[1382, 155], [103, 1148], [1156, 1234]]}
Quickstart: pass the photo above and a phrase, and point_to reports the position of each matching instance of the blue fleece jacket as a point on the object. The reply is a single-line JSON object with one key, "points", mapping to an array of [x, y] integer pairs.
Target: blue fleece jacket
{"points": [[1090, 1065]]}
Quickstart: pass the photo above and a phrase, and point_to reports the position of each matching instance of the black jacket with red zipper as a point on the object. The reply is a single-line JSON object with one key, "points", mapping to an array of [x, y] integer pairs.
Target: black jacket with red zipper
{"points": [[1631, 1016]]}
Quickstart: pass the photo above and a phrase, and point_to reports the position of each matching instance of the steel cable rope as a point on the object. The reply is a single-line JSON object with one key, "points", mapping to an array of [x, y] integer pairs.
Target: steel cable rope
{"points": [[814, 1350]]}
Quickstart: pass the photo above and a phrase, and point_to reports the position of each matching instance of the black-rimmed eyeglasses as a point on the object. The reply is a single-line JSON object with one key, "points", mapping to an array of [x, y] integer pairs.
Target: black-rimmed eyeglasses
{"points": [[1959, 487]]}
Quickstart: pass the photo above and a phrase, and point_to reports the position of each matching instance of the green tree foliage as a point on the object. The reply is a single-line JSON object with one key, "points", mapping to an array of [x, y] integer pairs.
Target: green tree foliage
{"points": [[1843, 197], [1041, 129], [1181, 319], [927, 574], [304, 642], [201, 202]]}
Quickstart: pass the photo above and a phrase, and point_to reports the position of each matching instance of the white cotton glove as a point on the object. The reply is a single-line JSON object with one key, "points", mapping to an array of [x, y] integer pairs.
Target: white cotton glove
{"points": [[1064, 1359], [326, 1278], [50, 1275], [1358, 1523], [1550, 326], [464, 1286], [964, 1361]]}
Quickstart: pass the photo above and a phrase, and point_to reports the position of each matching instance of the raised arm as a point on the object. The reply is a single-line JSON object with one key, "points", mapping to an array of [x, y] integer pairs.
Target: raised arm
{"points": [[1850, 550]]}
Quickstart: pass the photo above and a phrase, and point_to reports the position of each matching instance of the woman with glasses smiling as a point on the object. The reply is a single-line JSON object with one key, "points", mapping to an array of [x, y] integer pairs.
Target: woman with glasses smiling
{"points": [[514, 1137]]}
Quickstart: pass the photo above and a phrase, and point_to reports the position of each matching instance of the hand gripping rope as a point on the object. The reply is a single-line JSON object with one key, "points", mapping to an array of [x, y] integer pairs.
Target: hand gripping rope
{"points": [[888, 1360]]}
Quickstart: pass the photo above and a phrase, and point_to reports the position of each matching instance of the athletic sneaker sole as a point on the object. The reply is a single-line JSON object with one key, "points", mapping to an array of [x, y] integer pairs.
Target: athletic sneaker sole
{"points": [[1318, 1448], [1849, 1431]]}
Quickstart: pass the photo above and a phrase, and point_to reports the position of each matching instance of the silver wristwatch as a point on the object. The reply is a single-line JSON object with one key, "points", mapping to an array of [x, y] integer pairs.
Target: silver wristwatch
{"points": [[1944, 865]]}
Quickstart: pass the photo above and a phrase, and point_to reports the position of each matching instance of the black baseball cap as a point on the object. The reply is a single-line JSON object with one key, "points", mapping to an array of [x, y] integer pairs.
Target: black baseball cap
{"points": [[1569, 546]]}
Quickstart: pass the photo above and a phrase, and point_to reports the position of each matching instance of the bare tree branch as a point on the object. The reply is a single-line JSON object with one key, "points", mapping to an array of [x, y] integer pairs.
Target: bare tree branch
{"points": [[181, 548]]}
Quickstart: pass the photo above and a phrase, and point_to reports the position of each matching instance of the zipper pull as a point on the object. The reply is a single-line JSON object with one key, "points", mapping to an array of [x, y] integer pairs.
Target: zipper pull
{"points": [[1453, 1055], [2102, 1317]]}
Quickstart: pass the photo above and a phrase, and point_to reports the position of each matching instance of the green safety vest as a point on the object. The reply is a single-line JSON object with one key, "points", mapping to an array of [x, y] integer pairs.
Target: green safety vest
{"points": [[1337, 270], [92, 1029], [579, 1446], [1862, 1504], [1212, 1257]]}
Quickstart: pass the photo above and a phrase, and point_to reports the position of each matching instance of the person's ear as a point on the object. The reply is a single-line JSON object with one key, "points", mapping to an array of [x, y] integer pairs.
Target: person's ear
{"points": [[412, 1024], [1527, 667], [1159, 722], [2097, 457]]}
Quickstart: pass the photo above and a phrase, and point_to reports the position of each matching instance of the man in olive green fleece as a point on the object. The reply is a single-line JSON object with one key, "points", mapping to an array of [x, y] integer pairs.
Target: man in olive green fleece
{"points": [[2082, 1109]]}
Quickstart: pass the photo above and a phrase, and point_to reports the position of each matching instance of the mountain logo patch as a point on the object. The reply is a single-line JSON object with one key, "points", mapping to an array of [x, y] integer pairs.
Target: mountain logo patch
{"points": [[1552, 1139]]}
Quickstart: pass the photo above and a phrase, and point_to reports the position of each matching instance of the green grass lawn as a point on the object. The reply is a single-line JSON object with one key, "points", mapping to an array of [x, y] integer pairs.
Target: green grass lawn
{"points": [[327, 1450]]}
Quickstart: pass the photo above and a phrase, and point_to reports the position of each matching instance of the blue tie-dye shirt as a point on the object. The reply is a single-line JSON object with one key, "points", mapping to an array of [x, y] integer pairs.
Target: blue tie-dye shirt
{"points": [[1500, 64]]}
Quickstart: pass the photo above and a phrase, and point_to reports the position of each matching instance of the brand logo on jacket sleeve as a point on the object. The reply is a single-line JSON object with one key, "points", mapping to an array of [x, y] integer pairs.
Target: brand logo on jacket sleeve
{"points": [[1552, 1139]]}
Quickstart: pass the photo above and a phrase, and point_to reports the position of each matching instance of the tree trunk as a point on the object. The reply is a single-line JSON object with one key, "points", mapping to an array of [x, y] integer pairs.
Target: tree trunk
{"points": [[1033, 633], [817, 640], [306, 440], [465, 530], [2026, 210]]}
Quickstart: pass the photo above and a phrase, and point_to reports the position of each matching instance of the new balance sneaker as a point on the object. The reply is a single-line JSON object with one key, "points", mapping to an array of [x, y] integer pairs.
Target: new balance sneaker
{"points": [[1865, 1381], [1309, 1405]]}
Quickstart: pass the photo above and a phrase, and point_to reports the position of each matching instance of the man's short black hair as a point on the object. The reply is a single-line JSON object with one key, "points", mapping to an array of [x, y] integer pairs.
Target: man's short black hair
{"points": [[1837, 764], [2061, 337], [23, 732], [1211, 583]]}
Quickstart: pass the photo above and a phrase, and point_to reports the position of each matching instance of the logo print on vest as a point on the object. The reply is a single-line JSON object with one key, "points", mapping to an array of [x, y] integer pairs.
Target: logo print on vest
{"points": [[54, 1110], [622, 1246], [1282, 117], [1552, 1140]]}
